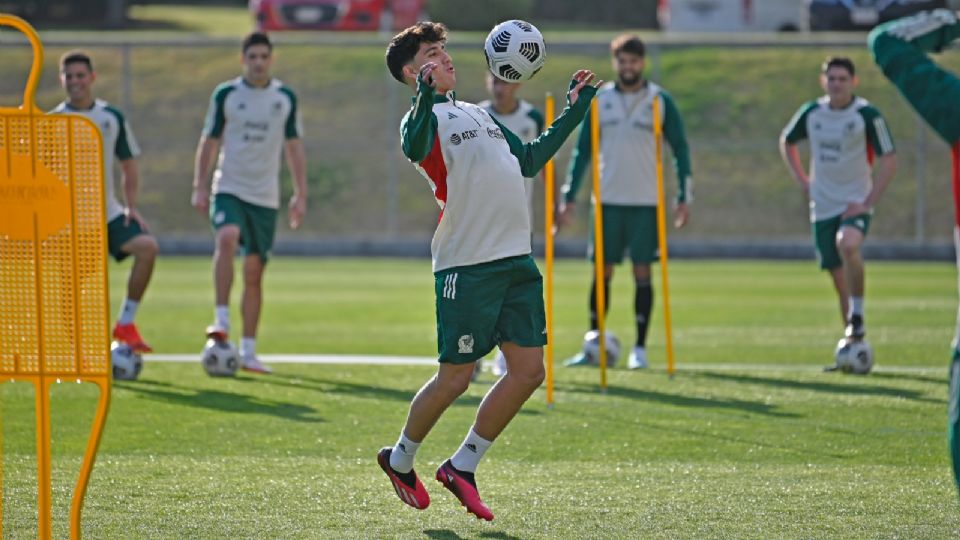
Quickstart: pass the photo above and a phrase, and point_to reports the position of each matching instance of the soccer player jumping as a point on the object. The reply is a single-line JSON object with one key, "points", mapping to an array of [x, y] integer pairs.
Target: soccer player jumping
{"points": [[488, 289], [900, 49]]}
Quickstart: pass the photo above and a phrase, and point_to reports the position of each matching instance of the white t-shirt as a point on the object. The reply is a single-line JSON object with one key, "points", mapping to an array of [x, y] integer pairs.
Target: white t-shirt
{"points": [[252, 123]]}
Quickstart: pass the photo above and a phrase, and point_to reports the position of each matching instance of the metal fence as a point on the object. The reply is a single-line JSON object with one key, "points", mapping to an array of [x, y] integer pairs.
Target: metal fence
{"points": [[735, 94]]}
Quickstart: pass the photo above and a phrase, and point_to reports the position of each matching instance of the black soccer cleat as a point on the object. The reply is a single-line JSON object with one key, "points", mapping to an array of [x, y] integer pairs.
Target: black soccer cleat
{"points": [[855, 328]]}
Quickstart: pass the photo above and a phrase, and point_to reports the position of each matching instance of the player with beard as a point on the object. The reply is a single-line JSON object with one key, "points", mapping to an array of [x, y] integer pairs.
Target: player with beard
{"points": [[628, 185]]}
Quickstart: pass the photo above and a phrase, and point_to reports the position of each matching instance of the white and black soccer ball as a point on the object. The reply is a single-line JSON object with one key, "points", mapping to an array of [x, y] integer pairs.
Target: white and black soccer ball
{"points": [[126, 362], [591, 347], [854, 356], [515, 51], [220, 358]]}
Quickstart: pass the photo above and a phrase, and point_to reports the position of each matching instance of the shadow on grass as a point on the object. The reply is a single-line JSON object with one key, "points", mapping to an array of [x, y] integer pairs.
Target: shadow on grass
{"points": [[499, 535], [367, 391], [820, 386], [912, 377], [217, 400], [442, 534], [680, 400]]}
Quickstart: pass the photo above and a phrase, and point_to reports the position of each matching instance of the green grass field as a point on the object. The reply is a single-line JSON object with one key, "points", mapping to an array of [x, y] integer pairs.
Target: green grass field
{"points": [[749, 440]]}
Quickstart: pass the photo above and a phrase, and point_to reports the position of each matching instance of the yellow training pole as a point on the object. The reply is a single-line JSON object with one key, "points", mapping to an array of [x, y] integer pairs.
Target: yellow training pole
{"points": [[548, 209], [598, 259], [662, 232]]}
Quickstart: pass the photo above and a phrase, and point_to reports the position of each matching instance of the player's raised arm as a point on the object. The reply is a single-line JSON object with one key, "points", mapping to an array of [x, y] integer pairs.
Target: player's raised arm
{"points": [[535, 154], [900, 49]]}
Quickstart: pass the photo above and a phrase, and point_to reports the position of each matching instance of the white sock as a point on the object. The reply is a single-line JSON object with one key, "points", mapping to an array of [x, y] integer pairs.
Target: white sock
{"points": [[468, 455], [248, 346], [401, 458], [128, 311], [856, 306], [221, 314]]}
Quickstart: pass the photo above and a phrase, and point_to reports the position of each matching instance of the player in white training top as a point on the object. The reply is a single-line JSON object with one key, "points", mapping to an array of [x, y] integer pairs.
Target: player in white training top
{"points": [[251, 120], [127, 231], [845, 132]]}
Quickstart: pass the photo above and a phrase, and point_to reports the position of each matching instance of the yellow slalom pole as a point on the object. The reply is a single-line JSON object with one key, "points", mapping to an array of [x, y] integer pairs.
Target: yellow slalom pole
{"points": [[662, 232], [598, 259], [548, 208]]}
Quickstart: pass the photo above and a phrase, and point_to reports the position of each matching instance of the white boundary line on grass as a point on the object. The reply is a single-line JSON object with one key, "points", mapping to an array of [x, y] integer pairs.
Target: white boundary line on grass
{"points": [[384, 360]]}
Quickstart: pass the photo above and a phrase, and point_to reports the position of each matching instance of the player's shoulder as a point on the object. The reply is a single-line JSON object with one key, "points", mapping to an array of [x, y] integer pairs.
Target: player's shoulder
{"points": [[221, 91], [105, 106], [865, 108], [62, 107], [607, 88], [485, 104]]}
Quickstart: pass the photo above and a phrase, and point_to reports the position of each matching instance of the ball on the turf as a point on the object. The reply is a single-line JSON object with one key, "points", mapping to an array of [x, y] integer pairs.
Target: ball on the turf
{"points": [[854, 356], [126, 362], [515, 51], [591, 347], [220, 358]]}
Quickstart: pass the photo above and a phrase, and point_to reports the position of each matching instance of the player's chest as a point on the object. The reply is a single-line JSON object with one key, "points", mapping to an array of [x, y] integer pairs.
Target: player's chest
{"points": [[466, 128], [625, 115], [262, 113], [836, 129]]}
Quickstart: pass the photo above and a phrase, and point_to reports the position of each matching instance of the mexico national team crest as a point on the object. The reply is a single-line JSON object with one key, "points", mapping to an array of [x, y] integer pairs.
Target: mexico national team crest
{"points": [[465, 344]]}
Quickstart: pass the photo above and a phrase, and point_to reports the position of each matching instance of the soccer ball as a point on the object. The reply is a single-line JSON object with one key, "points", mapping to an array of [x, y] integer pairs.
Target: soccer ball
{"points": [[126, 362], [220, 358], [854, 356], [591, 347], [514, 51]]}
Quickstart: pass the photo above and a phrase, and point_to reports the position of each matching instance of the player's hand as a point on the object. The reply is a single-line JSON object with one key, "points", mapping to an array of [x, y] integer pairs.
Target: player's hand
{"points": [[200, 199], [298, 208], [581, 79], [565, 214], [855, 209], [426, 74], [681, 215], [131, 214]]}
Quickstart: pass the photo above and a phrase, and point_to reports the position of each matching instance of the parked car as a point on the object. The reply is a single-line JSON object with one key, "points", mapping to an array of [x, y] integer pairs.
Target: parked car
{"points": [[730, 15], [863, 14], [335, 14]]}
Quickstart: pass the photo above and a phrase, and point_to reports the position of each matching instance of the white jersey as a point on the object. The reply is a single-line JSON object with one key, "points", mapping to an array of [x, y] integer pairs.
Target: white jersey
{"points": [[119, 144], [252, 123], [525, 122], [842, 143]]}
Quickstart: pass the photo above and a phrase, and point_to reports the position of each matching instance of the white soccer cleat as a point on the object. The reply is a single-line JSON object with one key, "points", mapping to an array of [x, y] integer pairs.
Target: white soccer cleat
{"points": [[638, 358], [252, 363], [499, 368]]}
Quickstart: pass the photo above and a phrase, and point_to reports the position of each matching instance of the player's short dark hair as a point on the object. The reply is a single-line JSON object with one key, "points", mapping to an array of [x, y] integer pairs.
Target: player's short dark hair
{"points": [[256, 38], [628, 43], [405, 45], [76, 57], [840, 62]]}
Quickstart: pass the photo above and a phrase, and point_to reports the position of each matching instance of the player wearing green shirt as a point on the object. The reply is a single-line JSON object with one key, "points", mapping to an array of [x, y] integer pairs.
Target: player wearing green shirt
{"points": [[901, 49]]}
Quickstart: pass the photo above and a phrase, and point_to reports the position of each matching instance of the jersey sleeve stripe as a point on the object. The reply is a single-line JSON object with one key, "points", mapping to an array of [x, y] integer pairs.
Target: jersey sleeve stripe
{"points": [[434, 169], [883, 135]]}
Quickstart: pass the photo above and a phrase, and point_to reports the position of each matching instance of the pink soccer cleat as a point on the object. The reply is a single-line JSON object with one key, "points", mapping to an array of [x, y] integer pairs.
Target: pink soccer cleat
{"points": [[409, 489], [465, 489]]}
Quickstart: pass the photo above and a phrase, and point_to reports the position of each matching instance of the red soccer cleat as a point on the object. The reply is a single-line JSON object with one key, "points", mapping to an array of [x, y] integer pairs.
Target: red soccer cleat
{"points": [[414, 495], [127, 333], [464, 489], [217, 332]]}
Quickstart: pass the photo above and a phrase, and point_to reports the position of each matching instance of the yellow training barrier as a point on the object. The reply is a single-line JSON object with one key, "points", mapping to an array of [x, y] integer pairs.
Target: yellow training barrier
{"points": [[53, 274]]}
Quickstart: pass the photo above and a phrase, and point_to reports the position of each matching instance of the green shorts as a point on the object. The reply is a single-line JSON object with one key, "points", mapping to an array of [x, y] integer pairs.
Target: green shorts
{"points": [[119, 234], [482, 305], [628, 226], [258, 224], [825, 237]]}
